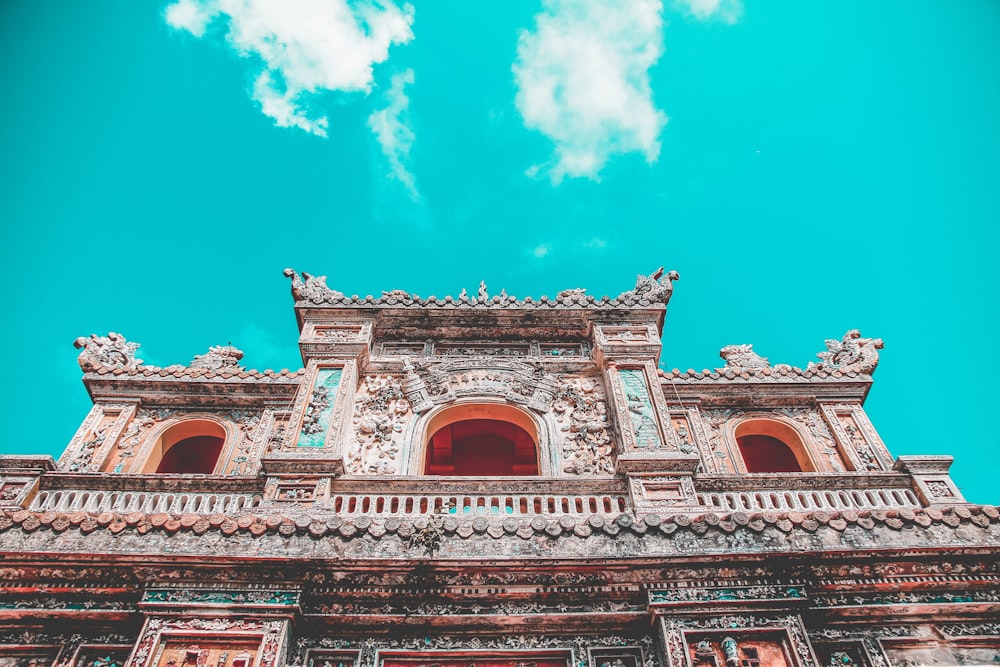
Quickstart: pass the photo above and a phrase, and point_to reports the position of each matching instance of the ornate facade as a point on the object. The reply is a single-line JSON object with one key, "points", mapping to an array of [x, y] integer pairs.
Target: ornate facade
{"points": [[486, 481]]}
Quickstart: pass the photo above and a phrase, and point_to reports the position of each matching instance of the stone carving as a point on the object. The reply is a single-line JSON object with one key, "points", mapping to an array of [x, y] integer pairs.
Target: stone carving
{"points": [[820, 433], [858, 440], [156, 629], [398, 294], [319, 410], [319, 401], [379, 414], [482, 296], [581, 410], [939, 488], [368, 647], [106, 353], [135, 432], [571, 293], [654, 288], [429, 384], [852, 353], [84, 459], [310, 288], [640, 408], [219, 358], [743, 356], [253, 425]]}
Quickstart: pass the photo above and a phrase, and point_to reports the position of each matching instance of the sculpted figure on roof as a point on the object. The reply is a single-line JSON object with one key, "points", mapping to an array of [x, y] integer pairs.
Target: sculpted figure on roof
{"points": [[743, 356], [218, 358], [655, 288], [106, 353], [310, 288], [852, 352]]}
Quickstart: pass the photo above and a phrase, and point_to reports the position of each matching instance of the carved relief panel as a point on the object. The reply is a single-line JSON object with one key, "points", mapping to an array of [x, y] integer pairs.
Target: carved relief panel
{"points": [[639, 410], [317, 420], [857, 437], [209, 642], [381, 411], [96, 437], [586, 446], [736, 641]]}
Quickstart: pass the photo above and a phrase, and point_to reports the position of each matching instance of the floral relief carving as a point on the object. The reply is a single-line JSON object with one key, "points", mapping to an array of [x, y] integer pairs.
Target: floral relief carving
{"points": [[134, 435], [582, 412], [820, 434], [379, 414], [718, 458]]}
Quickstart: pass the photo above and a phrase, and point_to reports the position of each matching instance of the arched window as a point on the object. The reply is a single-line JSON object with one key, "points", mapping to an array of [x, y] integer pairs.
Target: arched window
{"points": [[768, 445], [191, 447], [481, 440]]}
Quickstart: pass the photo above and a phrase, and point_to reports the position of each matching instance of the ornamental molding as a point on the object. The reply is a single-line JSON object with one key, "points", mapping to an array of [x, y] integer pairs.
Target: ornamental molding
{"points": [[650, 291], [428, 384]]}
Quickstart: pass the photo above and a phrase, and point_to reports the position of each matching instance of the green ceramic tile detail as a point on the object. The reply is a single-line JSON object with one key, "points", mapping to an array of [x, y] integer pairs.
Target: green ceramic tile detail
{"points": [[320, 408], [640, 408]]}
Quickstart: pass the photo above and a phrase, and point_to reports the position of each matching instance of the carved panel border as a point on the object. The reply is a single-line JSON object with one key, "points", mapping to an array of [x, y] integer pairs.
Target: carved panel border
{"points": [[856, 436]]}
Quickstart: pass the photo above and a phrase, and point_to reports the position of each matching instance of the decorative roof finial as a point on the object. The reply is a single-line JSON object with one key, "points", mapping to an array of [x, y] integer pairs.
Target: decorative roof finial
{"points": [[106, 353]]}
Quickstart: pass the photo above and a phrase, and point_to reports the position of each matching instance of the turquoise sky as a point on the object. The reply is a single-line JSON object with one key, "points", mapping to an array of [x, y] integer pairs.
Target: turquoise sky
{"points": [[807, 168]]}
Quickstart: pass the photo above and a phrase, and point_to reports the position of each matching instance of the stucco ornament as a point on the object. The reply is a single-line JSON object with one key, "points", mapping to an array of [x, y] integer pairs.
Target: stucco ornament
{"points": [[379, 415], [852, 353], [106, 353], [654, 288], [218, 358], [310, 288], [743, 356], [582, 412]]}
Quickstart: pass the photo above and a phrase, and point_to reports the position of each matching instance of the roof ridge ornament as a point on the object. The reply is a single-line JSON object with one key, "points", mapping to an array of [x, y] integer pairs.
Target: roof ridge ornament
{"points": [[106, 353], [219, 358], [657, 287], [852, 352], [311, 288]]}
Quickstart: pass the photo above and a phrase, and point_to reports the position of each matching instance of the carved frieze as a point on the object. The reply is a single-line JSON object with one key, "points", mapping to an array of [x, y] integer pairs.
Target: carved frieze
{"points": [[380, 411], [162, 638], [585, 444], [429, 384], [719, 640]]}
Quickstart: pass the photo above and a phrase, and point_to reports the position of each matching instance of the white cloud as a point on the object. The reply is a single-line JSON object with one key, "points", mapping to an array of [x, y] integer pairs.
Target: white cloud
{"points": [[724, 10], [306, 47], [583, 80], [540, 251], [391, 128]]}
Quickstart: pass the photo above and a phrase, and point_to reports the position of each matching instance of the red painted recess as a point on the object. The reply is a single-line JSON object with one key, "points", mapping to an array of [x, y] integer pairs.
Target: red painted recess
{"points": [[196, 455], [481, 448], [763, 453]]}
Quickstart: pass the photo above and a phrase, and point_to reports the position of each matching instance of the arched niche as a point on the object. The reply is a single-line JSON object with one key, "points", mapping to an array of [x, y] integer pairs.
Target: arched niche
{"points": [[480, 440], [191, 446], [769, 445]]}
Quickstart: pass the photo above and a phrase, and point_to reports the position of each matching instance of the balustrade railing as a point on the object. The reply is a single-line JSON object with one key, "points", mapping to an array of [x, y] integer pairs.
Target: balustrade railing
{"points": [[143, 501], [784, 500]]}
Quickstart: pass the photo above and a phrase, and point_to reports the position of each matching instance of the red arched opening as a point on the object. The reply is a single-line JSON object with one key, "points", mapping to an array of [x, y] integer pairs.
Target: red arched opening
{"points": [[481, 448], [195, 455], [769, 445], [192, 446], [762, 453]]}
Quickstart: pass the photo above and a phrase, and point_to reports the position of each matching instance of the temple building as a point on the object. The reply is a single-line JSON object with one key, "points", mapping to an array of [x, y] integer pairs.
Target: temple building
{"points": [[489, 481]]}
